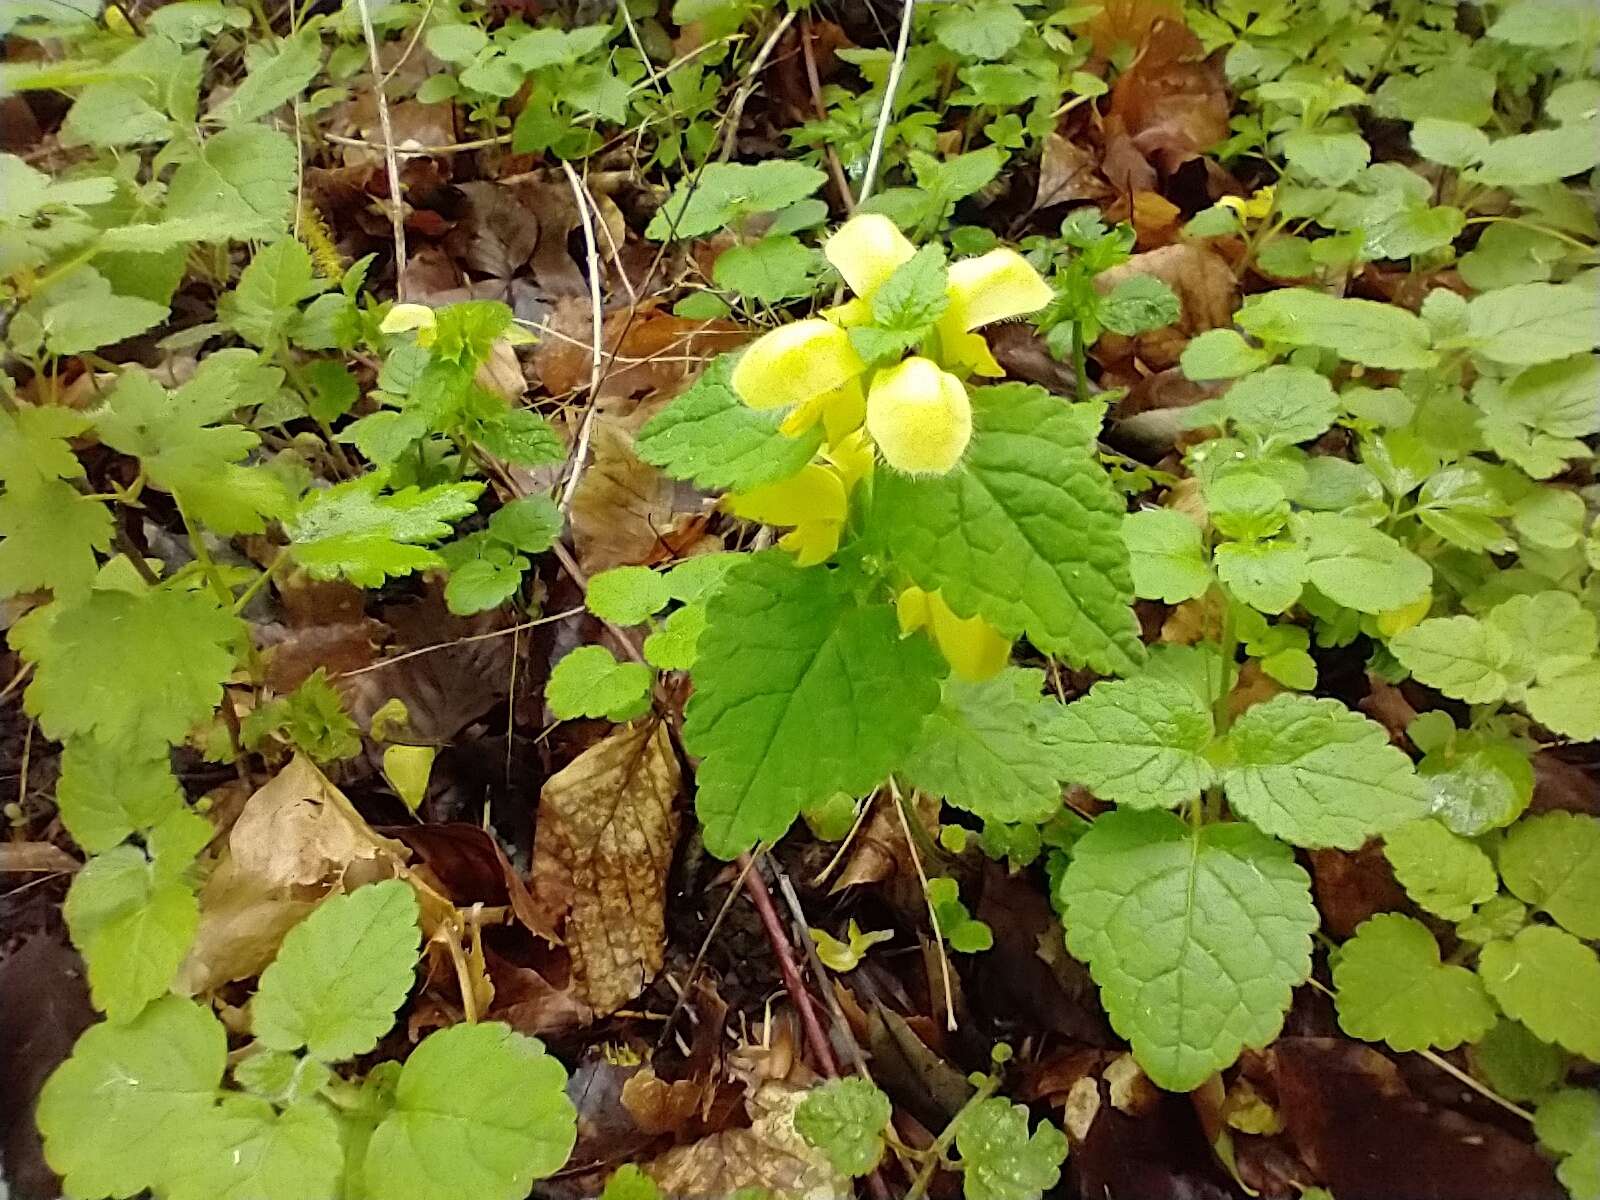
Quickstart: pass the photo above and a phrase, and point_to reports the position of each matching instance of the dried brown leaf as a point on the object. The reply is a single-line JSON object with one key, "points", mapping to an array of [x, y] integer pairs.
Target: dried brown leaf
{"points": [[769, 1154], [498, 230], [1207, 294], [1068, 171], [608, 823], [623, 505]]}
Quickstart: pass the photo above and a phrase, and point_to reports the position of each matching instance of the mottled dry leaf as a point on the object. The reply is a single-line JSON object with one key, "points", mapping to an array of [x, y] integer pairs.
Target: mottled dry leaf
{"points": [[498, 230], [470, 868], [1165, 109], [243, 920], [622, 506], [35, 858], [608, 822], [769, 1154]]}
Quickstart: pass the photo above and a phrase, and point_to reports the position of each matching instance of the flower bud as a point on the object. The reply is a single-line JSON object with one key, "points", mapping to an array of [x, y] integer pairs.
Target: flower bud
{"points": [[866, 250], [919, 416], [795, 363]]}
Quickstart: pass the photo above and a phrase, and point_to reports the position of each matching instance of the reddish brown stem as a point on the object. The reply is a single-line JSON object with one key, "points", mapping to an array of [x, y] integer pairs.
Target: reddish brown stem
{"points": [[756, 888]]}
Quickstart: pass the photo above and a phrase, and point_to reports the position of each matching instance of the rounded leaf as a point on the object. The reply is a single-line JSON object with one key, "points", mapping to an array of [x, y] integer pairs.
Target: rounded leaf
{"points": [[1392, 988]]}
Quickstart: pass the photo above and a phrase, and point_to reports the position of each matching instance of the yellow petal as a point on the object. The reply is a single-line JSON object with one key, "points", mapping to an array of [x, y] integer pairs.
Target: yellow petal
{"points": [[995, 286], [843, 410], [911, 606], [849, 314], [966, 351], [813, 494], [812, 542], [970, 645], [852, 458], [866, 250], [919, 416], [792, 365], [1397, 620]]}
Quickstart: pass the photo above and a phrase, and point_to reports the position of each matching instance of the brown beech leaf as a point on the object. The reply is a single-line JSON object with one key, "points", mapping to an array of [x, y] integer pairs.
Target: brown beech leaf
{"points": [[1165, 109], [243, 920], [623, 506], [607, 824], [36, 858], [1068, 171], [1365, 1136], [769, 1154], [498, 230], [469, 866], [1352, 886]]}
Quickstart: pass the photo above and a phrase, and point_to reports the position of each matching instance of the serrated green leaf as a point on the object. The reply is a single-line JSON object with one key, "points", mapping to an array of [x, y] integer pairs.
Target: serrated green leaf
{"points": [[1392, 988], [1360, 567], [589, 682], [50, 535], [1498, 917], [627, 595], [531, 524], [1537, 418], [1331, 159], [1221, 354], [1164, 914], [279, 1077], [1553, 862], [776, 268], [1138, 304], [352, 531], [1139, 742], [105, 795], [1550, 981], [1535, 322], [984, 29], [1463, 657], [991, 748], [244, 1149], [1477, 785], [1541, 156], [1282, 405], [1166, 555], [799, 693], [133, 669], [711, 437], [1318, 774], [80, 312], [673, 647], [1268, 576], [718, 194], [1452, 143], [1516, 1064], [246, 173], [275, 77], [845, 1119], [112, 1113], [999, 1161], [482, 582], [340, 974], [479, 1110], [1363, 331], [271, 289], [1444, 873], [1024, 532], [1566, 703]]}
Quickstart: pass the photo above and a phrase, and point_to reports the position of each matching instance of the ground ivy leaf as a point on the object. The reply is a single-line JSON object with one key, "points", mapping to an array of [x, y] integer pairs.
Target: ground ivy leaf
{"points": [[1196, 937], [1515, 1063], [1535, 322], [1268, 576], [990, 748], [244, 1149], [1392, 988], [133, 925], [1025, 531], [340, 974], [999, 1161], [1566, 703], [1165, 555], [1550, 981], [673, 646], [1282, 405], [589, 682], [133, 669], [712, 438], [1553, 862], [112, 1113], [479, 1110], [1445, 874], [1138, 742], [627, 595], [845, 1119], [799, 693], [1317, 774], [105, 795]]}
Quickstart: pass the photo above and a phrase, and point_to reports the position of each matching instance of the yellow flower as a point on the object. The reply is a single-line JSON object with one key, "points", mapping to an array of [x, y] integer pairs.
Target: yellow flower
{"points": [[1254, 209], [840, 411], [814, 502], [992, 287], [794, 364], [920, 417], [972, 647], [866, 250]]}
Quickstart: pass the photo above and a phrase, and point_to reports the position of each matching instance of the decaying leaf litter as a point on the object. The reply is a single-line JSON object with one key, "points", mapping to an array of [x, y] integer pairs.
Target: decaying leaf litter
{"points": [[1181, 664]]}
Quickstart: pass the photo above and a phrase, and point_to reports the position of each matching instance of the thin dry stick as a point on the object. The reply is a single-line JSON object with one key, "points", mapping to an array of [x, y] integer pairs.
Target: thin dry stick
{"points": [[835, 167], [891, 86], [476, 637], [933, 915], [397, 216], [748, 87], [580, 453]]}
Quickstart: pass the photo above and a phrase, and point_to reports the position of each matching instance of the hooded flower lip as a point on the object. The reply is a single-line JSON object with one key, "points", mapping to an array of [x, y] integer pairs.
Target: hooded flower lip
{"points": [[972, 647], [866, 250], [919, 416], [994, 287], [796, 363]]}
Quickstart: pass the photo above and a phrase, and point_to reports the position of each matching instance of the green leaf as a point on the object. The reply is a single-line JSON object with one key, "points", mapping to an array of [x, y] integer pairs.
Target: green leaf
{"points": [[246, 174], [340, 974], [458, 43], [1363, 331], [133, 925], [979, 28], [245, 1150], [1138, 304], [1392, 988], [1515, 1063], [1360, 567], [1463, 657], [720, 193], [1553, 862], [1478, 785], [1318, 774], [1025, 531], [1140, 742], [1565, 704], [712, 438], [271, 289], [845, 1119], [275, 77], [799, 693], [351, 531], [1282, 405], [1331, 159], [1498, 917], [1268, 576], [1568, 1120], [1452, 143], [530, 524], [1543, 156], [627, 595], [674, 646], [133, 669], [521, 436], [1166, 555], [105, 795], [1535, 322], [113, 1112], [589, 682], [479, 1110], [630, 1183], [1164, 913], [1550, 981], [991, 748], [1537, 418], [776, 268], [1445, 874], [999, 1161], [51, 535], [913, 297], [485, 582], [80, 312], [1221, 354]]}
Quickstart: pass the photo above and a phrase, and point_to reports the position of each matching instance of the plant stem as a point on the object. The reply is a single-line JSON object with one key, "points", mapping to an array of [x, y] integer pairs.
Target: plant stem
{"points": [[756, 888], [1080, 362], [919, 1186]]}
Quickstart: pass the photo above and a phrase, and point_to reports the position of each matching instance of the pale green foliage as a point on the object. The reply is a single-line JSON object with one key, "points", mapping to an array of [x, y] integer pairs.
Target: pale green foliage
{"points": [[1550, 981], [1515, 1063], [1166, 555], [799, 694], [1164, 914], [1553, 862], [627, 595], [51, 534], [1568, 1124], [340, 974], [244, 1149], [589, 682], [1444, 873], [673, 646], [956, 924], [1139, 742], [356, 531], [104, 796], [1363, 331], [999, 1160], [720, 193], [1393, 988], [1025, 531], [845, 1119]]}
